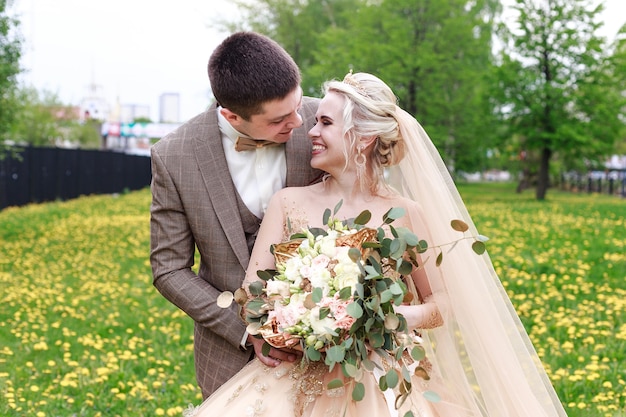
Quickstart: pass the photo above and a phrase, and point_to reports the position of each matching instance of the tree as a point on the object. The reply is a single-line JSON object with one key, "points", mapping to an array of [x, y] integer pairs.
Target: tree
{"points": [[10, 53], [434, 56], [41, 119], [557, 84]]}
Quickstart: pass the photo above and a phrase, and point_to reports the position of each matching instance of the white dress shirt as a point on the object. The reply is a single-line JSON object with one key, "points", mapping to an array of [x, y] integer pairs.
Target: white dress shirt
{"points": [[258, 173]]}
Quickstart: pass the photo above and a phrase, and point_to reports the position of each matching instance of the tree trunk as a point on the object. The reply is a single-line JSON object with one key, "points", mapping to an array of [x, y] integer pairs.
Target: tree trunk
{"points": [[543, 180]]}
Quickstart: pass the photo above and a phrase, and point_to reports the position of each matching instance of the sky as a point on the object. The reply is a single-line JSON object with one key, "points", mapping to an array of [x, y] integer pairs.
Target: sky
{"points": [[135, 50]]}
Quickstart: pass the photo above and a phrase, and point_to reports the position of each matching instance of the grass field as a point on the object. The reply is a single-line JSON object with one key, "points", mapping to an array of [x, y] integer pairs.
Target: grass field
{"points": [[84, 333]]}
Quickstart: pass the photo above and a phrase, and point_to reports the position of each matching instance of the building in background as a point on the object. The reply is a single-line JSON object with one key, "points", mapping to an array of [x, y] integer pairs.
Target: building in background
{"points": [[169, 108], [94, 106], [131, 112]]}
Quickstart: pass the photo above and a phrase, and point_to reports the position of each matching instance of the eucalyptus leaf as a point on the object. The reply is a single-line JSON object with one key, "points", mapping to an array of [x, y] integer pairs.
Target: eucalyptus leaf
{"points": [[376, 340], [256, 288], [392, 378], [345, 293], [253, 328], [324, 312], [337, 207], [317, 295], [418, 353], [405, 268], [313, 354], [265, 349], [363, 218], [335, 353], [354, 310], [393, 214], [385, 296], [225, 299], [335, 383], [431, 396], [354, 254], [350, 370], [326, 216], [382, 383], [358, 392], [265, 274], [439, 259], [479, 247], [459, 225], [391, 321], [420, 372]]}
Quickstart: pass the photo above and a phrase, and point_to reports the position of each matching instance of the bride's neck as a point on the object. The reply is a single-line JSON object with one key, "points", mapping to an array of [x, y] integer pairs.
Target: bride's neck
{"points": [[347, 189]]}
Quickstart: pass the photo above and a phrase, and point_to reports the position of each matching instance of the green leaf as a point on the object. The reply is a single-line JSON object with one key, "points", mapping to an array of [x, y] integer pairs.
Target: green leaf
{"points": [[345, 293], [382, 383], [431, 396], [459, 225], [337, 207], [385, 296], [317, 295], [326, 216], [354, 310], [392, 378], [266, 274], [376, 340], [354, 254], [335, 383], [363, 217], [256, 288], [409, 414], [358, 392], [313, 354], [349, 369], [265, 349], [336, 353], [396, 289], [439, 259], [324, 312], [479, 247], [418, 353], [405, 268], [393, 214], [391, 321]]}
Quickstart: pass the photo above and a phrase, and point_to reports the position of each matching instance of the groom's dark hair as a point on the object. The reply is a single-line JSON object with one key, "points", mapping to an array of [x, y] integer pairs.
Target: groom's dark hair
{"points": [[249, 69]]}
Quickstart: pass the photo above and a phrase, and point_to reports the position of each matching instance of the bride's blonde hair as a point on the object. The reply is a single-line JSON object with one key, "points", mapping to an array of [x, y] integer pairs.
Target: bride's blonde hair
{"points": [[370, 111]]}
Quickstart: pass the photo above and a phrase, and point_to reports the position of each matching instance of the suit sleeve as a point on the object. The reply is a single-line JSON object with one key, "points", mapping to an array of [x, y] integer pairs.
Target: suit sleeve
{"points": [[172, 257]]}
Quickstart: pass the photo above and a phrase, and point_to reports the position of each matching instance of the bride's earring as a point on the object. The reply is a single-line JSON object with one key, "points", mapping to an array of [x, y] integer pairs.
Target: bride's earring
{"points": [[360, 161]]}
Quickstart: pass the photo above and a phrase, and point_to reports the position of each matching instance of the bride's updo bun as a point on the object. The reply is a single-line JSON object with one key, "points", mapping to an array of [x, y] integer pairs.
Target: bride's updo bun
{"points": [[370, 111]]}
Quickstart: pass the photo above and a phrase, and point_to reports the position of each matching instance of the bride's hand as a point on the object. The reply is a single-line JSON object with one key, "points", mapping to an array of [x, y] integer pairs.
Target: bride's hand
{"points": [[275, 356]]}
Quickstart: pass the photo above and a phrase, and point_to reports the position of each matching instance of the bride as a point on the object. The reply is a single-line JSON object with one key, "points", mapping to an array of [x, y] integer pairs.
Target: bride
{"points": [[478, 356]]}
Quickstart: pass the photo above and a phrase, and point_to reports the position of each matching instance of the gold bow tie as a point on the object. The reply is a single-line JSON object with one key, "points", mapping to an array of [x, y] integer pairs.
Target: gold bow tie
{"points": [[246, 144]]}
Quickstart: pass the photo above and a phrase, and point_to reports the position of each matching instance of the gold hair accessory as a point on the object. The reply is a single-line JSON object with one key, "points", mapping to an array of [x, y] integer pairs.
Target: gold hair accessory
{"points": [[353, 82]]}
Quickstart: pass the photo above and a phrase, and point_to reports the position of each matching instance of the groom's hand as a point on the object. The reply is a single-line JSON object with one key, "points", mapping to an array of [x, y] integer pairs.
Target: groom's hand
{"points": [[275, 356]]}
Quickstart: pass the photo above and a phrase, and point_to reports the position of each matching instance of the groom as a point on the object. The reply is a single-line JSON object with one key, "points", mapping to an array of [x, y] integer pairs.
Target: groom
{"points": [[210, 191]]}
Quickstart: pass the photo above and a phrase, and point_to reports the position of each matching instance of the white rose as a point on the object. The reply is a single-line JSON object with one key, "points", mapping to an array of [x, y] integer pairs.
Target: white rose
{"points": [[278, 287], [322, 327], [346, 271]]}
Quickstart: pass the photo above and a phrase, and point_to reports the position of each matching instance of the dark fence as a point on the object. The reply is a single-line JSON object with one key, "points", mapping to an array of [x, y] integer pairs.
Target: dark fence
{"points": [[604, 182], [45, 174]]}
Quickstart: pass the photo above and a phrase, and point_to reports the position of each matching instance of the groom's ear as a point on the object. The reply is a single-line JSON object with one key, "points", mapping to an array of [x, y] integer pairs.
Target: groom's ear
{"points": [[232, 118]]}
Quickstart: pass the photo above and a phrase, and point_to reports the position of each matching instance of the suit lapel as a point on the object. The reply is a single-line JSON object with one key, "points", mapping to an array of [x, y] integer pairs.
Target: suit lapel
{"points": [[211, 162]]}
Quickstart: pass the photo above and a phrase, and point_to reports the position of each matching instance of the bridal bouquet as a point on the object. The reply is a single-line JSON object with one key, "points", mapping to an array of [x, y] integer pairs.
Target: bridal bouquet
{"points": [[333, 293]]}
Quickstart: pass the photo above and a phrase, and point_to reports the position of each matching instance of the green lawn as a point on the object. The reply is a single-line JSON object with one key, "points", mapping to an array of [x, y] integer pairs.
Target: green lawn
{"points": [[84, 333]]}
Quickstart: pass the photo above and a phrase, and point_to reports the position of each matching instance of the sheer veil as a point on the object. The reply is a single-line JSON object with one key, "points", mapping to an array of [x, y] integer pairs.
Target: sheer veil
{"points": [[482, 352]]}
